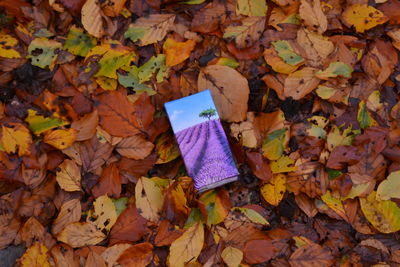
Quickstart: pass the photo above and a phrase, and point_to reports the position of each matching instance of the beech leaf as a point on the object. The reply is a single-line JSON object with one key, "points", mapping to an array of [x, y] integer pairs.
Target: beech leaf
{"points": [[80, 234], [69, 176], [149, 199]]}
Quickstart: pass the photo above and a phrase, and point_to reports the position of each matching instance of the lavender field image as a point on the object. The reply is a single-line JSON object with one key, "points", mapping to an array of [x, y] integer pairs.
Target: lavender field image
{"points": [[202, 140]]}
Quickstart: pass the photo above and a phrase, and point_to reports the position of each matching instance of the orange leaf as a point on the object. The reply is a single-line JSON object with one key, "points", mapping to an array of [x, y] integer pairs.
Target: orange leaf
{"points": [[138, 255], [109, 182], [60, 139], [177, 52]]}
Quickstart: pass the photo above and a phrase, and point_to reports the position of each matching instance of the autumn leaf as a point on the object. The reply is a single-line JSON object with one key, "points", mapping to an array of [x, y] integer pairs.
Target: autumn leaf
{"points": [[16, 137], [335, 69], [258, 251], [232, 256], [335, 204], [300, 83], [363, 17], [149, 199], [187, 247], [252, 215], [310, 254], [274, 144], [364, 116], [70, 212], [139, 255], [274, 190], [312, 14], [177, 52], [39, 124], [86, 126], [92, 18], [7, 42], [109, 182], [247, 33], [166, 148], [382, 214], [61, 138], [112, 253], [251, 7], [42, 52], [80, 234], [286, 52], [113, 8], [78, 42], [283, 164], [104, 214], [229, 90], [388, 188], [151, 29], [69, 176], [35, 256], [134, 147], [215, 205]]}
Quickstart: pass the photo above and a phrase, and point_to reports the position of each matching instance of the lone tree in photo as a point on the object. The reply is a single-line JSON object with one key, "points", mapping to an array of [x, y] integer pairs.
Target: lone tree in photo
{"points": [[208, 113]]}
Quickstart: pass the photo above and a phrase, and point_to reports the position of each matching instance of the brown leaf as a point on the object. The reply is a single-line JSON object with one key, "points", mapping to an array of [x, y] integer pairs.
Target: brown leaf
{"points": [[300, 83], [130, 226], [311, 255], [229, 89], [80, 234], [112, 8], [70, 212], [175, 204], [33, 231], [139, 255], [314, 18], [208, 18], [109, 182], [92, 18], [86, 126], [134, 147], [111, 254], [95, 260], [117, 114], [259, 165], [258, 251], [93, 153], [63, 256], [167, 234], [69, 176], [342, 155]]}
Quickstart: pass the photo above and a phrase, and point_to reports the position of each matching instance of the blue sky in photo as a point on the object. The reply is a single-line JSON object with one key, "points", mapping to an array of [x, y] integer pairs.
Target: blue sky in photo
{"points": [[184, 113]]}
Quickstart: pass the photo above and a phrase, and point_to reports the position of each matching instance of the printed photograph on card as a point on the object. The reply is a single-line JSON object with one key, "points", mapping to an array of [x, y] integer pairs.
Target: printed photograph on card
{"points": [[202, 140]]}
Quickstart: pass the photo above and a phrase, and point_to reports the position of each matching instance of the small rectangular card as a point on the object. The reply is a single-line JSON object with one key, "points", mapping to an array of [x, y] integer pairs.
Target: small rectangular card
{"points": [[202, 140]]}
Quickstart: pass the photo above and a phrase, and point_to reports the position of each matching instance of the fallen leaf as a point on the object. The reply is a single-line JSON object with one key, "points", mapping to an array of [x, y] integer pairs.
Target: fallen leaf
{"points": [[363, 17], [384, 215], [130, 226], [177, 52], [310, 254], [388, 188], [175, 204], [70, 212], [69, 176], [86, 126], [258, 251], [39, 124], [111, 254], [232, 256], [134, 147], [167, 233], [300, 83], [63, 256], [150, 29], [251, 7], [42, 52], [7, 42], [78, 42], [35, 256], [364, 117], [274, 190], [109, 182], [215, 206], [229, 90], [139, 255], [61, 139], [80, 234], [16, 137], [274, 144], [312, 14], [92, 18], [149, 199], [187, 247], [335, 204], [113, 8], [252, 215], [259, 166], [335, 69], [246, 34], [104, 214]]}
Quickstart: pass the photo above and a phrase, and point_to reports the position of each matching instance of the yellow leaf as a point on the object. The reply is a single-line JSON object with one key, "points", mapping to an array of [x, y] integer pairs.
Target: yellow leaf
{"points": [[149, 199], [104, 214], [363, 17], [232, 256], [252, 215], [80, 234], [60, 139], [16, 137], [92, 18], [389, 188], [274, 190], [187, 247], [177, 52], [383, 215], [283, 164], [6, 44], [107, 83], [69, 176], [35, 256], [334, 203], [42, 52], [39, 124]]}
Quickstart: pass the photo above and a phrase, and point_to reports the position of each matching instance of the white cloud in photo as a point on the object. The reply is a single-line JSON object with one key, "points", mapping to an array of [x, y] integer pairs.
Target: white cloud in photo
{"points": [[175, 114]]}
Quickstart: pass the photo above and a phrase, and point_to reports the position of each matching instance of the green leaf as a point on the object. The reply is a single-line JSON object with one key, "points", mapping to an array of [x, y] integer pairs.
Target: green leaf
{"points": [[215, 207], [39, 124], [332, 174], [273, 145], [286, 52], [42, 52], [325, 92], [335, 69], [364, 117], [120, 204], [131, 80], [383, 215], [251, 7], [195, 216], [78, 42], [154, 65], [135, 33], [227, 62], [253, 215]]}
